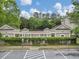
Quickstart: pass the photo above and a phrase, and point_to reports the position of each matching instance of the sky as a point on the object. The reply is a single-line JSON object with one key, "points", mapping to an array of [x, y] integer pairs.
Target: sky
{"points": [[51, 6]]}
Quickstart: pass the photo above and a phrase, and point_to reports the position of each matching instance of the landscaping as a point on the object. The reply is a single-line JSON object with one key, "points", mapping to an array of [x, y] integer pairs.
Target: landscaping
{"points": [[11, 41]]}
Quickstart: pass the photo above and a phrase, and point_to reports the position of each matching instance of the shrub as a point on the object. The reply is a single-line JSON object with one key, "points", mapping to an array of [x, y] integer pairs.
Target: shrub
{"points": [[39, 41]]}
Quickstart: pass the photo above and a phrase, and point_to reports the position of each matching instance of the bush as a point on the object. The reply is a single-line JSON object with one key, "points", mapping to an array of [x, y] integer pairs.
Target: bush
{"points": [[11, 41], [39, 41]]}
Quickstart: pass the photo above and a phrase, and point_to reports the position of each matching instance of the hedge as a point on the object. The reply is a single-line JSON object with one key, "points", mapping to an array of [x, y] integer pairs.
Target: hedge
{"points": [[39, 38], [38, 41], [11, 41]]}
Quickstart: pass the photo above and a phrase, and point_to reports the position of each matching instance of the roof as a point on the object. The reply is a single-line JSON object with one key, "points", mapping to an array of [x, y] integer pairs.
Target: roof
{"points": [[46, 29], [25, 29], [6, 27], [43, 32], [62, 27]]}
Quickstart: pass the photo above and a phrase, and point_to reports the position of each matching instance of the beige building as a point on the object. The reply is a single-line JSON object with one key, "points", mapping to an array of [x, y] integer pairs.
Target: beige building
{"points": [[58, 31], [69, 23]]}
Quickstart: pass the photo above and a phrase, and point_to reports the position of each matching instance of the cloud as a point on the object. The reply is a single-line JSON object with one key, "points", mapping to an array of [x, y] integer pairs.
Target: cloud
{"points": [[58, 6], [61, 13], [32, 10], [71, 8], [26, 2], [25, 14], [63, 10], [68, 9], [59, 9], [49, 11], [44, 12]]}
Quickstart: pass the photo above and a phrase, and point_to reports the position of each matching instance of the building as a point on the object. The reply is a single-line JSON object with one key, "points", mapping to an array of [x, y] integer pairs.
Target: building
{"points": [[69, 23], [58, 31]]}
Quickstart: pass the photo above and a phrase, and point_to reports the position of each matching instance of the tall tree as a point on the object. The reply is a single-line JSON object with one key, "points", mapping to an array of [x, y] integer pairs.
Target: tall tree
{"points": [[75, 15], [9, 13]]}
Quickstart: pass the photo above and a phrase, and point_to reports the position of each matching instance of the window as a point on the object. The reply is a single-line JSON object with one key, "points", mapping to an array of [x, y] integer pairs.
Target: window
{"points": [[62, 35], [41, 34], [20, 35], [16, 35], [53, 34]]}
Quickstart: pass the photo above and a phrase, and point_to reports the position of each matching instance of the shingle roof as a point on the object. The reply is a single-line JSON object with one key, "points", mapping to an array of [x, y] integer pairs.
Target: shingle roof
{"points": [[6, 27], [62, 27], [25, 29], [46, 29]]}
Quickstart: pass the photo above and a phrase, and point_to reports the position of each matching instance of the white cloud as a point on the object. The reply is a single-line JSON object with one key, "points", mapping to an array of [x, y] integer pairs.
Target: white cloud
{"points": [[32, 10], [61, 13], [58, 6], [62, 10], [44, 12], [49, 11], [25, 14], [26, 2], [71, 8]]}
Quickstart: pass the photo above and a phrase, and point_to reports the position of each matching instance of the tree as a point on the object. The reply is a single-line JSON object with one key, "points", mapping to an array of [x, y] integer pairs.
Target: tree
{"points": [[34, 23], [75, 15], [45, 24], [76, 31], [9, 13], [0, 35]]}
